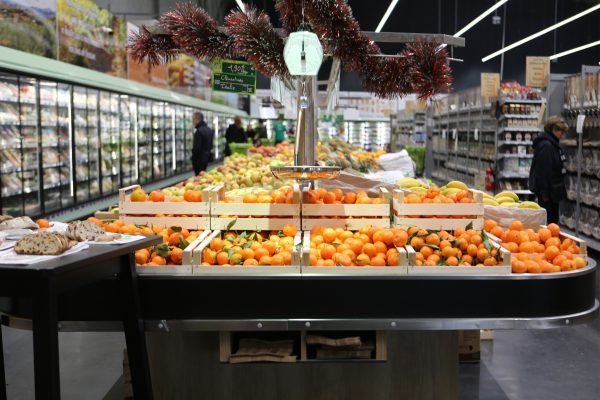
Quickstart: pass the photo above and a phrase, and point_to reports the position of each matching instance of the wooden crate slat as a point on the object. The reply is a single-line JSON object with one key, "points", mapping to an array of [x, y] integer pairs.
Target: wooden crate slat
{"points": [[253, 224], [438, 209], [344, 223], [439, 223], [346, 210], [257, 209], [166, 222]]}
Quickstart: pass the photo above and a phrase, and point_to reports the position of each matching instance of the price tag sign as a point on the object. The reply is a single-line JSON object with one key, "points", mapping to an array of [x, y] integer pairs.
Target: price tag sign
{"points": [[490, 84], [443, 134], [233, 77], [536, 71], [476, 134]]}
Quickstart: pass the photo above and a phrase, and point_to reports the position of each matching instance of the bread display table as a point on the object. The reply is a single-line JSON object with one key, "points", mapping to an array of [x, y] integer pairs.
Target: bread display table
{"points": [[40, 286]]}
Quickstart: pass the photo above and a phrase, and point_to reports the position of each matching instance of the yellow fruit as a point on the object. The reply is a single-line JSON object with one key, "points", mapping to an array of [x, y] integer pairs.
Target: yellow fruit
{"points": [[510, 194], [457, 184], [490, 202], [529, 204], [504, 199]]}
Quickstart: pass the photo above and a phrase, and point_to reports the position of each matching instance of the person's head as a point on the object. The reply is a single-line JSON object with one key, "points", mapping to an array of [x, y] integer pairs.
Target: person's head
{"points": [[556, 126], [261, 122], [197, 117], [237, 121], [280, 118]]}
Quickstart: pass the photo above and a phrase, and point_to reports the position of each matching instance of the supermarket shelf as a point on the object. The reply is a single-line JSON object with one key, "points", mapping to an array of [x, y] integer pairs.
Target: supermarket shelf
{"points": [[500, 156], [504, 175], [518, 116], [515, 142], [592, 243], [517, 101], [518, 129], [522, 191]]}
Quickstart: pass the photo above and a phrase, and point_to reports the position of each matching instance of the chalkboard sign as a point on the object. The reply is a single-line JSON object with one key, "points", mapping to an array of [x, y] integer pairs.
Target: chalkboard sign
{"points": [[233, 77]]}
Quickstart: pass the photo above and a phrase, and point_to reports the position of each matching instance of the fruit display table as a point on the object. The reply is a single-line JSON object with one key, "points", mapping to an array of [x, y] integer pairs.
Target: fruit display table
{"points": [[40, 286], [420, 313]]}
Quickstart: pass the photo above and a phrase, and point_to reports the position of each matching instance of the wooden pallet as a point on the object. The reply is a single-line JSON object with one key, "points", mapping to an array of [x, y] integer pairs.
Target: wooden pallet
{"points": [[346, 216], [464, 214]]}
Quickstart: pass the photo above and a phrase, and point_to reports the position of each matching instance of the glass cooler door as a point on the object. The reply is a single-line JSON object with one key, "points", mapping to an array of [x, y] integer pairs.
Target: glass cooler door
{"points": [[30, 139], [189, 130], [158, 140], [65, 146], [169, 139], [128, 166], [180, 139], [10, 146], [144, 143], [109, 139]]}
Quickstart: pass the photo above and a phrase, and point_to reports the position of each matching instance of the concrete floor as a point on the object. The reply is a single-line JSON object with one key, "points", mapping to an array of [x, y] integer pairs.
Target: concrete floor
{"points": [[556, 364]]}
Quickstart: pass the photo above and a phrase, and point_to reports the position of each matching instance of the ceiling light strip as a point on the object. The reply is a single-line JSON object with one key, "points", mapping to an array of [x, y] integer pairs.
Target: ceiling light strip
{"points": [[540, 33], [575, 50], [385, 16], [241, 5]]}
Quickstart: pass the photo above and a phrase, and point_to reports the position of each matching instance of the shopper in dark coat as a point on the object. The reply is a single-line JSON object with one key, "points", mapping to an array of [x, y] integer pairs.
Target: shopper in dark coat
{"points": [[203, 143], [547, 174], [235, 134]]}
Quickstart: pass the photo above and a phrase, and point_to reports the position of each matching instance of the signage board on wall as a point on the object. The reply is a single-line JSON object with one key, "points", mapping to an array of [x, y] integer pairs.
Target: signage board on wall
{"points": [[29, 26], [233, 77], [536, 71], [490, 84]]}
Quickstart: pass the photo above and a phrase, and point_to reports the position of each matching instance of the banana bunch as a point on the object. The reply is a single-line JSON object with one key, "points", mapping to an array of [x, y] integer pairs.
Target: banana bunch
{"points": [[453, 187], [508, 199], [413, 185]]}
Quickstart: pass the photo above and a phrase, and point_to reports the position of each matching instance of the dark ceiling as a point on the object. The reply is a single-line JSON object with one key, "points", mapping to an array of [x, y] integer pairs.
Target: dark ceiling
{"points": [[523, 17]]}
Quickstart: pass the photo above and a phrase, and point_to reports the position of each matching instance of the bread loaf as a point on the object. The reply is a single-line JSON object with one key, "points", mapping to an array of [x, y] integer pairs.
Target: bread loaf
{"points": [[43, 244], [83, 230]]}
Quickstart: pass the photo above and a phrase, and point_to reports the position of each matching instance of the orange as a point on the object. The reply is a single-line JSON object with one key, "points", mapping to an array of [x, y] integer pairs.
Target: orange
{"points": [[511, 236], [579, 262], [329, 235], [222, 258], [426, 251], [338, 193], [344, 235], [157, 196], [192, 196], [328, 251], [277, 259], [250, 262], [363, 259], [321, 193], [522, 238], [554, 229], [260, 253], [290, 230], [468, 259], [328, 263], [553, 241], [43, 223], [448, 251], [329, 198], [236, 259], [566, 244], [544, 234], [269, 246], [400, 239], [250, 198], [346, 261], [350, 198], [216, 244], [489, 224], [567, 265], [452, 261], [287, 257], [138, 195], [265, 260], [176, 256], [247, 254], [158, 260], [356, 246], [518, 267], [432, 239], [497, 231], [312, 260], [142, 256], [392, 259], [527, 247], [370, 250], [490, 261], [378, 262], [416, 242], [459, 231], [558, 260], [388, 237], [472, 250], [516, 226], [209, 256], [482, 254], [476, 239], [175, 239], [567, 254], [511, 246], [533, 267], [380, 247]]}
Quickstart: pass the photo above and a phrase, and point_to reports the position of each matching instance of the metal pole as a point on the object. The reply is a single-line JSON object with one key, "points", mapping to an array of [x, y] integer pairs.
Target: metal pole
{"points": [[503, 42], [580, 153], [306, 126]]}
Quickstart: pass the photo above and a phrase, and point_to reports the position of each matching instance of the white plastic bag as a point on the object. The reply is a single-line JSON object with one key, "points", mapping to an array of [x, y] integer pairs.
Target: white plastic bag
{"points": [[353, 183], [531, 218], [398, 162], [390, 177]]}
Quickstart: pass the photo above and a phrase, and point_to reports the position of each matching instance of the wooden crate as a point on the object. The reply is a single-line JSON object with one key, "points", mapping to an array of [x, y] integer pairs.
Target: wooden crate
{"points": [[402, 213], [401, 269], [580, 243], [346, 216], [186, 263], [503, 269], [107, 215], [240, 270], [143, 213], [252, 216]]}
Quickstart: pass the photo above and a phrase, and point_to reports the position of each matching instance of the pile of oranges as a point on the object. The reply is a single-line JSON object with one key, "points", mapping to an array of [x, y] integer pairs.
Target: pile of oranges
{"points": [[337, 196], [538, 251], [158, 196], [251, 249], [370, 246], [462, 247], [170, 252], [279, 196], [433, 196]]}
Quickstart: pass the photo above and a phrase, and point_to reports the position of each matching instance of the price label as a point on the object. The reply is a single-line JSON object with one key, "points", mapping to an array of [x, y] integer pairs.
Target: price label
{"points": [[233, 77], [476, 134]]}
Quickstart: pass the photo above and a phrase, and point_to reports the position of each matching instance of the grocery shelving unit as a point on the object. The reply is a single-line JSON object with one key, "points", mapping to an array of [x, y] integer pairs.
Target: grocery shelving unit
{"points": [[70, 135], [408, 129], [518, 125], [462, 135], [370, 133], [580, 211]]}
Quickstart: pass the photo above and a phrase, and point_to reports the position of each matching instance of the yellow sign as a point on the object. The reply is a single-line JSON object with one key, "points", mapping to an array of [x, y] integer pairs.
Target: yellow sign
{"points": [[536, 71], [409, 106], [421, 105], [490, 84]]}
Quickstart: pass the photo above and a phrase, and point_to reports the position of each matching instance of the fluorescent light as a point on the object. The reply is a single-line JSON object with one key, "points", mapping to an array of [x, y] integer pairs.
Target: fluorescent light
{"points": [[386, 15], [575, 50], [482, 16], [241, 5], [476, 20], [540, 33]]}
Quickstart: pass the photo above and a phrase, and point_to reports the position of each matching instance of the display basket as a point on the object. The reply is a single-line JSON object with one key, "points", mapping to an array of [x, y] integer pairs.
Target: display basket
{"points": [[580, 243], [503, 268], [189, 215], [185, 268], [346, 216], [251, 216], [239, 148], [425, 216], [240, 270], [307, 269]]}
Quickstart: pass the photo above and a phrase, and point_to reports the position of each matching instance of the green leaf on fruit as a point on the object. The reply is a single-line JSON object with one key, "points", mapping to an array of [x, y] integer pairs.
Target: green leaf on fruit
{"points": [[441, 262], [299, 247], [243, 235], [469, 226], [280, 234], [247, 245], [433, 246], [455, 243], [339, 265], [231, 224], [183, 244], [176, 228], [230, 252], [486, 241]]}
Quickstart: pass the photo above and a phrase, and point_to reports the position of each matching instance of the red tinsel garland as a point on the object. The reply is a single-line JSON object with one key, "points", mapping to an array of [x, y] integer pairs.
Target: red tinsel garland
{"points": [[422, 67]]}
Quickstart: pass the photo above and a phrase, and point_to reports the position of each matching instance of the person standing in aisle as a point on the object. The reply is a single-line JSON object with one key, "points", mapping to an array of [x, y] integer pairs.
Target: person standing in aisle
{"points": [[202, 144], [260, 132], [279, 128], [547, 174], [235, 134]]}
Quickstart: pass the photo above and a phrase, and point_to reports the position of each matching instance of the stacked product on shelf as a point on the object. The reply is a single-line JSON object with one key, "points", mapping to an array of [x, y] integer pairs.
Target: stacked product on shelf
{"points": [[370, 133], [518, 124], [408, 129], [463, 142], [579, 211]]}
